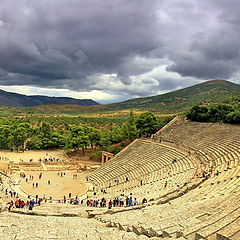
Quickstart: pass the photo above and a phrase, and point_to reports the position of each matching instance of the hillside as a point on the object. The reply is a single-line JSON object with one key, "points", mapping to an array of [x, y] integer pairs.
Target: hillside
{"points": [[214, 91], [20, 100]]}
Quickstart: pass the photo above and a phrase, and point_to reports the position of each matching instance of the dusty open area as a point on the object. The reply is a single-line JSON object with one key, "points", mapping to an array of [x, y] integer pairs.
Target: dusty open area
{"points": [[34, 155], [52, 184], [56, 180]]}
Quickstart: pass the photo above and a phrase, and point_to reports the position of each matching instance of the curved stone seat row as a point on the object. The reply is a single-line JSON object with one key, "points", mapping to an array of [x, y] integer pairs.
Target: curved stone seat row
{"points": [[144, 163]]}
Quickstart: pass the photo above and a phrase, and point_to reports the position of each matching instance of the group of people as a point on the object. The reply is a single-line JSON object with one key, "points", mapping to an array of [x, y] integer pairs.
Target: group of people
{"points": [[31, 178], [4, 158], [75, 201], [61, 174], [21, 204], [12, 194], [121, 201], [50, 159]]}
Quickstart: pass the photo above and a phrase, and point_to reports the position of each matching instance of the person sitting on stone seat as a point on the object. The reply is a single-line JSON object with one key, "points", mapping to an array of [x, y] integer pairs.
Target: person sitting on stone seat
{"points": [[135, 202], [130, 202], [120, 200], [110, 204], [174, 161], [10, 205]]}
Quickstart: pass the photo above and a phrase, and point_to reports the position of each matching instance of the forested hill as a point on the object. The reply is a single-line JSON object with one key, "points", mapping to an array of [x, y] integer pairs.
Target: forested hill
{"points": [[215, 91], [20, 100]]}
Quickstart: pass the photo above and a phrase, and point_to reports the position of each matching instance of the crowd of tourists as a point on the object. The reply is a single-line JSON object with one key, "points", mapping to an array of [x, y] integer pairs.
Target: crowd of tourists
{"points": [[121, 201], [21, 204], [50, 159], [16, 202], [44, 159]]}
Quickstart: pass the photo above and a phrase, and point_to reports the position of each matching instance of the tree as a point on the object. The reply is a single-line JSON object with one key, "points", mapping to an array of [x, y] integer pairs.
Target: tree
{"points": [[20, 134], [4, 133], [198, 114], [130, 128], [11, 142], [78, 138], [105, 139], [45, 130], [147, 124], [219, 112], [94, 137], [117, 134], [233, 117], [214, 113], [43, 137]]}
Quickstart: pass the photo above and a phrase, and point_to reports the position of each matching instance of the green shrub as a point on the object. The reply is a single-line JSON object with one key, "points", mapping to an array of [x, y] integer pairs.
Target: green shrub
{"points": [[233, 117]]}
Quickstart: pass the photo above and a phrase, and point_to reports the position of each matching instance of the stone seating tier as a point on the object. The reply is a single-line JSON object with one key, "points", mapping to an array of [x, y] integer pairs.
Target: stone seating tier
{"points": [[141, 158], [210, 211]]}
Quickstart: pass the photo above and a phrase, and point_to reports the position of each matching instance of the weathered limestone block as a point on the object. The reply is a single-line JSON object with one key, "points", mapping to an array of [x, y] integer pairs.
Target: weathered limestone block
{"points": [[221, 237], [135, 230]]}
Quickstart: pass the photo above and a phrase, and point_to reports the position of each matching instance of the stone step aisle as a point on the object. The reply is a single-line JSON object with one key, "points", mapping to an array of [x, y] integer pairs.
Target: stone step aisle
{"points": [[44, 166]]}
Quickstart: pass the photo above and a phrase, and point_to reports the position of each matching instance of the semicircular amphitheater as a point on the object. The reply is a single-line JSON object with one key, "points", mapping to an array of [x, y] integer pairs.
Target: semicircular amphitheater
{"points": [[183, 183]]}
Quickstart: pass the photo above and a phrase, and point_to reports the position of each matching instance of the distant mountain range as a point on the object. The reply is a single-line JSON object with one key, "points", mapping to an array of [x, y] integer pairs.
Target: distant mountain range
{"points": [[215, 91], [20, 100]]}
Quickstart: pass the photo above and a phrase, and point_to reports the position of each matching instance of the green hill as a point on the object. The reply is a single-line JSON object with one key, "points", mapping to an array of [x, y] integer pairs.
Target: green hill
{"points": [[214, 91]]}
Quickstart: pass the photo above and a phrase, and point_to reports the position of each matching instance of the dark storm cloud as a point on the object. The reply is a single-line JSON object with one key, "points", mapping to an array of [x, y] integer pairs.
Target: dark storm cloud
{"points": [[66, 44], [54, 40], [213, 48]]}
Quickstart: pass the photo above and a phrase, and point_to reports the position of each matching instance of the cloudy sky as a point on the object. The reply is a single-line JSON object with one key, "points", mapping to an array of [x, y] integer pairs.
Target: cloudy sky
{"points": [[114, 50]]}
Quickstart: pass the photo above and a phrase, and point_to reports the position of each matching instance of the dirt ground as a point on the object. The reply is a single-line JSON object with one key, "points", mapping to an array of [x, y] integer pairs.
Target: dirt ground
{"points": [[59, 185], [35, 155], [30, 154], [52, 184]]}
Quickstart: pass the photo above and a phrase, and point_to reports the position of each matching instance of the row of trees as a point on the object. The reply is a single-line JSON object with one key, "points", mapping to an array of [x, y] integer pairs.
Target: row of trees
{"points": [[228, 113], [80, 137], [65, 120], [19, 134], [13, 134]]}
